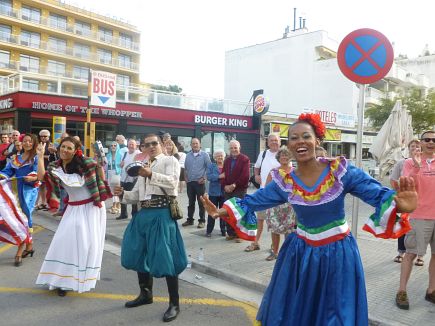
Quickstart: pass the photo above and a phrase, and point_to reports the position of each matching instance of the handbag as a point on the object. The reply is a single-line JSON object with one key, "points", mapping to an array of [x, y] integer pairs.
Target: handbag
{"points": [[174, 207]]}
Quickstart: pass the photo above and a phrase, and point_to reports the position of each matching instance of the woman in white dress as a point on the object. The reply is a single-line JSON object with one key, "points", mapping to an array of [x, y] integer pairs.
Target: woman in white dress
{"points": [[73, 261]]}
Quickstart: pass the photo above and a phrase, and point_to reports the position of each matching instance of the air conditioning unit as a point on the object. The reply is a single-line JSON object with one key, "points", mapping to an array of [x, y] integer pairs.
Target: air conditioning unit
{"points": [[79, 32], [24, 68], [24, 42], [78, 55], [103, 60], [25, 17]]}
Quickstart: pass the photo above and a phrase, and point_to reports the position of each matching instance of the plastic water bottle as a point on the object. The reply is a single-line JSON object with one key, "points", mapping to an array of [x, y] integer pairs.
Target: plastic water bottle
{"points": [[201, 254], [189, 262]]}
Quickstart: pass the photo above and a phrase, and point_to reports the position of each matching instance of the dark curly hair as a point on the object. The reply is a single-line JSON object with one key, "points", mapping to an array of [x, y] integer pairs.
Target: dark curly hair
{"points": [[77, 164]]}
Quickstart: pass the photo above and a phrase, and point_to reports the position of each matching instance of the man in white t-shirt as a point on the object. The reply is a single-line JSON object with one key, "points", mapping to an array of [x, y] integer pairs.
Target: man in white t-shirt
{"points": [[266, 161], [128, 182]]}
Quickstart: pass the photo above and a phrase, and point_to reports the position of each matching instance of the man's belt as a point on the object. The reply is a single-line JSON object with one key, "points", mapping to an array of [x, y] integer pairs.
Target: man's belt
{"points": [[156, 201]]}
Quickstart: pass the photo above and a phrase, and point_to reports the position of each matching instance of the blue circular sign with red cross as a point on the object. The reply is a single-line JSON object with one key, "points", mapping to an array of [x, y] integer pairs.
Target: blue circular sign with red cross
{"points": [[365, 56]]}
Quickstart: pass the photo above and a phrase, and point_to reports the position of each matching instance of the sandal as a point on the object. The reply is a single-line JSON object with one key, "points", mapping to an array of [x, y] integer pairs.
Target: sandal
{"points": [[398, 259], [419, 262], [252, 247], [271, 257]]}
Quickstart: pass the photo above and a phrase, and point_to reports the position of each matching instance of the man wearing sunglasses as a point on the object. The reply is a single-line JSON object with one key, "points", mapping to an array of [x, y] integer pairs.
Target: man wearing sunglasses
{"points": [[422, 168], [152, 244]]}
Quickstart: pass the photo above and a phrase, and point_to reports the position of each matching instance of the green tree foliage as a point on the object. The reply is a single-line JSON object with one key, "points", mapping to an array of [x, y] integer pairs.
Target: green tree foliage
{"points": [[422, 110], [170, 88]]}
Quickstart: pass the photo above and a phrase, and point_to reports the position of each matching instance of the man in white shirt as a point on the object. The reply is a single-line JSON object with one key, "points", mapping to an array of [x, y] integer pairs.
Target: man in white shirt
{"points": [[127, 182], [266, 161], [152, 244]]}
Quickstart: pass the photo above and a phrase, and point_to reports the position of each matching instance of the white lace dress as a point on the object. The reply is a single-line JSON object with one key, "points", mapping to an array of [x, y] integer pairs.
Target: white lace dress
{"points": [[73, 261]]}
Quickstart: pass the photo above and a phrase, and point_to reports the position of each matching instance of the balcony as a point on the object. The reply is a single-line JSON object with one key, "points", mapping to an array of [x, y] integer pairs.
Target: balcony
{"points": [[134, 94], [68, 52], [47, 23]]}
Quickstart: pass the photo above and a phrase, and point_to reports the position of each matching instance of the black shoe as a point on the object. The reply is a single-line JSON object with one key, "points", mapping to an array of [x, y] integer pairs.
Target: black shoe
{"points": [[18, 261], [28, 253], [145, 297], [121, 217], [187, 223], [171, 313], [61, 293]]}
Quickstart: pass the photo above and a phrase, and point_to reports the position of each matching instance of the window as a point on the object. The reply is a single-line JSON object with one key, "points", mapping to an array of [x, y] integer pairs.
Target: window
{"points": [[31, 39], [123, 80], [82, 28], [57, 44], [56, 68], [80, 72], [105, 56], [31, 14], [124, 60], [79, 90], [57, 21], [82, 50], [4, 59], [125, 40], [29, 63], [5, 33], [30, 84], [105, 35], [52, 87], [6, 7]]}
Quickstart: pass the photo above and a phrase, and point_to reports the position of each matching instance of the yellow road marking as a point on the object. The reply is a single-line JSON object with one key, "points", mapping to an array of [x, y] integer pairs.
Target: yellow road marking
{"points": [[249, 308], [9, 246]]}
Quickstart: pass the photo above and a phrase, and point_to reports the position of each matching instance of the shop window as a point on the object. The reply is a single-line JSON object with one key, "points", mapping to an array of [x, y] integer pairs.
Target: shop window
{"points": [[335, 149], [366, 154], [30, 84]]}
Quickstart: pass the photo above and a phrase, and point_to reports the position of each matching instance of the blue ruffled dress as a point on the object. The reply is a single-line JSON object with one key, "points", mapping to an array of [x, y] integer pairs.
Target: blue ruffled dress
{"points": [[318, 277]]}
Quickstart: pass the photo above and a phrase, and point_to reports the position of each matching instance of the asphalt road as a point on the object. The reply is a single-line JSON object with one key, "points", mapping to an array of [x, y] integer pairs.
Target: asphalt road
{"points": [[24, 303]]}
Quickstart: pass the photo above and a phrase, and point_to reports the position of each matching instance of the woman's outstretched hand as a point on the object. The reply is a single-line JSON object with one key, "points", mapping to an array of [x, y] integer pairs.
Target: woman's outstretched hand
{"points": [[209, 206], [40, 149], [406, 197]]}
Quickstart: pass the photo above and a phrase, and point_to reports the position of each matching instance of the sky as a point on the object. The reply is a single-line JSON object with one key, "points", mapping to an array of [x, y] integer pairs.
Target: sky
{"points": [[183, 42]]}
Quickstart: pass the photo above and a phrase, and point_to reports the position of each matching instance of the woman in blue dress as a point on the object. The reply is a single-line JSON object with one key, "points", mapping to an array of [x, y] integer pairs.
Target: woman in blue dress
{"points": [[23, 168], [318, 278]]}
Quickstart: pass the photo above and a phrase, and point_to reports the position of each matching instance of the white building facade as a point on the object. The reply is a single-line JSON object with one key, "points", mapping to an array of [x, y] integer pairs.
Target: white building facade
{"points": [[300, 73]]}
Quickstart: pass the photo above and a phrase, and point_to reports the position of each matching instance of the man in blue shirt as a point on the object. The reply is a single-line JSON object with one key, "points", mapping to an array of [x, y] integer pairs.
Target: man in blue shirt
{"points": [[195, 171]]}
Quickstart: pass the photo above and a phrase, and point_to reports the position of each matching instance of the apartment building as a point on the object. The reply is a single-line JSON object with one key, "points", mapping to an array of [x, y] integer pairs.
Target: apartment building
{"points": [[51, 46]]}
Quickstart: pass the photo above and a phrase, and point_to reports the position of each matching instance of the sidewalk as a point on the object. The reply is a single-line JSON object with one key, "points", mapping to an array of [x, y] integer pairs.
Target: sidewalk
{"points": [[227, 260]]}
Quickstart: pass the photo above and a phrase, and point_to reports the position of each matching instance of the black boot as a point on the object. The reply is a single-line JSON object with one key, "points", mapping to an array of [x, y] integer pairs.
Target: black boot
{"points": [[174, 305], [146, 291]]}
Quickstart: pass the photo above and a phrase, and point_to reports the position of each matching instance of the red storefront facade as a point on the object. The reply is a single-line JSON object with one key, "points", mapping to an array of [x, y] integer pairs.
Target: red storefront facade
{"points": [[31, 112]]}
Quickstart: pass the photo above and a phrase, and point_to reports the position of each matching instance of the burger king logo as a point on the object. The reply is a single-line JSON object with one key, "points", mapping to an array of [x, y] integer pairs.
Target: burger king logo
{"points": [[260, 105]]}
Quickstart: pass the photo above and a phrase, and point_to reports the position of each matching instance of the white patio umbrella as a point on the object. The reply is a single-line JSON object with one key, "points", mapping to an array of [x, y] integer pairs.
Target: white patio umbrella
{"points": [[390, 144]]}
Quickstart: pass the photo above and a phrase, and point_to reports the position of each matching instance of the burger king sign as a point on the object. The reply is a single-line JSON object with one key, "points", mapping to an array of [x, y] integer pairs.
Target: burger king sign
{"points": [[261, 105]]}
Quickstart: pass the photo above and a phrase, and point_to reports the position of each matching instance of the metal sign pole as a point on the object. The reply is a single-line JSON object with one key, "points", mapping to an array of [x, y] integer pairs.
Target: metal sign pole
{"points": [[358, 163]]}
